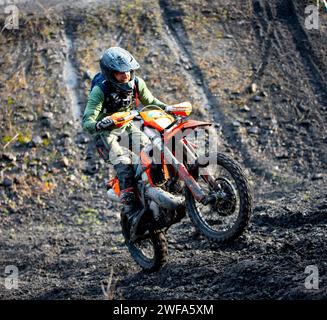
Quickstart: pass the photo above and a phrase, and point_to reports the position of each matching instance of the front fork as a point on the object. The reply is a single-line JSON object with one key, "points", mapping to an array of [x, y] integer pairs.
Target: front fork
{"points": [[185, 175], [180, 168]]}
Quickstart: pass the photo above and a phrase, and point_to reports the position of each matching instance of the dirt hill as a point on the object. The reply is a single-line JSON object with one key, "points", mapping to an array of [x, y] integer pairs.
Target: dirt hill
{"points": [[252, 68]]}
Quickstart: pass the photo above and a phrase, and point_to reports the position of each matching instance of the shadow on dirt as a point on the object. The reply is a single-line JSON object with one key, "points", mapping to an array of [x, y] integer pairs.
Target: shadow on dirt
{"points": [[292, 220]]}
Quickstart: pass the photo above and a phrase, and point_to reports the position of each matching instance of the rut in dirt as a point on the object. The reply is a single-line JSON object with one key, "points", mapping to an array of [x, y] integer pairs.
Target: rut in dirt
{"points": [[74, 86], [177, 32], [282, 38], [266, 25], [71, 79], [303, 45]]}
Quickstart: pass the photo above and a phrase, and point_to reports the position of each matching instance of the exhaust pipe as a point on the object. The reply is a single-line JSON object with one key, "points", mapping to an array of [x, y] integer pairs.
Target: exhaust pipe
{"points": [[161, 197], [164, 199]]}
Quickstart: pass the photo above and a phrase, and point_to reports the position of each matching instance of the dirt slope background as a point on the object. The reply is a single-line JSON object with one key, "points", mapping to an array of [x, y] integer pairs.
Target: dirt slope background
{"points": [[249, 66]]}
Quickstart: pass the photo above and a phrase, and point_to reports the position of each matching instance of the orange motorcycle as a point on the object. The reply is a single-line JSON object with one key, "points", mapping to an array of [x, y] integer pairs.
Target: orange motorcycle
{"points": [[212, 188]]}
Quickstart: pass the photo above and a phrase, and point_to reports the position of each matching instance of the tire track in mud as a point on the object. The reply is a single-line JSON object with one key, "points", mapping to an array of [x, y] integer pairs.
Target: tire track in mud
{"points": [[263, 30], [315, 77], [70, 78], [302, 42], [178, 36], [197, 90], [271, 20], [73, 84], [266, 28], [70, 72]]}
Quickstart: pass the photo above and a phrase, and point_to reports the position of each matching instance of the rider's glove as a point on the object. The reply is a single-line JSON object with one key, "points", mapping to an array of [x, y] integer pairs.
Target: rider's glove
{"points": [[105, 124]]}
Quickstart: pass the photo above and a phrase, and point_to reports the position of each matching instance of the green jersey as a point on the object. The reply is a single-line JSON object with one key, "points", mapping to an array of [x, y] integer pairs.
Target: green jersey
{"points": [[94, 110]]}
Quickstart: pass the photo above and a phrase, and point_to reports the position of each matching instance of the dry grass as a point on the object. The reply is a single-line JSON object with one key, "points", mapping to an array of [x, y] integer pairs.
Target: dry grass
{"points": [[109, 287]]}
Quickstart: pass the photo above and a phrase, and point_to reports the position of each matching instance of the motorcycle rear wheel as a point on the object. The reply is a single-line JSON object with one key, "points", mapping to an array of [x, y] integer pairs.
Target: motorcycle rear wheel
{"points": [[149, 251]]}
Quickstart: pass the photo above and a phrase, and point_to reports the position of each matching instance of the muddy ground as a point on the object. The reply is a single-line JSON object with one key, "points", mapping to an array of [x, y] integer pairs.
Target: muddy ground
{"points": [[57, 226]]}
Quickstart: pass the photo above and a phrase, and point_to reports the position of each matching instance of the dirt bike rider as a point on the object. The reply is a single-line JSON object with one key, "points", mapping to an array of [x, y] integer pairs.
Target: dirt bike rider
{"points": [[119, 91]]}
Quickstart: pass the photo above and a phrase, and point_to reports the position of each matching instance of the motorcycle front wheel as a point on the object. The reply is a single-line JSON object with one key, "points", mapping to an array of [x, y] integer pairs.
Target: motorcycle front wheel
{"points": [[225, 218]]}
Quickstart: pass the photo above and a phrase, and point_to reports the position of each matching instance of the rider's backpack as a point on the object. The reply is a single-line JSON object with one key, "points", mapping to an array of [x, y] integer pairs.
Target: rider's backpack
{"points": [[99, 80]]}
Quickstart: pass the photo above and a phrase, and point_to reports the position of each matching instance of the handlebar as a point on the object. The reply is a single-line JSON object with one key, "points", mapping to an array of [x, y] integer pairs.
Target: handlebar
{"points": [[136, 113]]}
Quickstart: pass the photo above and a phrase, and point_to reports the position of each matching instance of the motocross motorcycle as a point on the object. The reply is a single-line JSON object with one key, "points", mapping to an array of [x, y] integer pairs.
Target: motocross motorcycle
{"points": [[212, 188]]}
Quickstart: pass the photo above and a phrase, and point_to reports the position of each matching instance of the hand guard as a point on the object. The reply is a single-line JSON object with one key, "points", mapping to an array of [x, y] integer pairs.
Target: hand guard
{"points": [[180, 109]]}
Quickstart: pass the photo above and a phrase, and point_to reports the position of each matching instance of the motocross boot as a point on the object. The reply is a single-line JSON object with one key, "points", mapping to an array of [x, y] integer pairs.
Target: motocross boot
{"points": [[130, 209]]}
